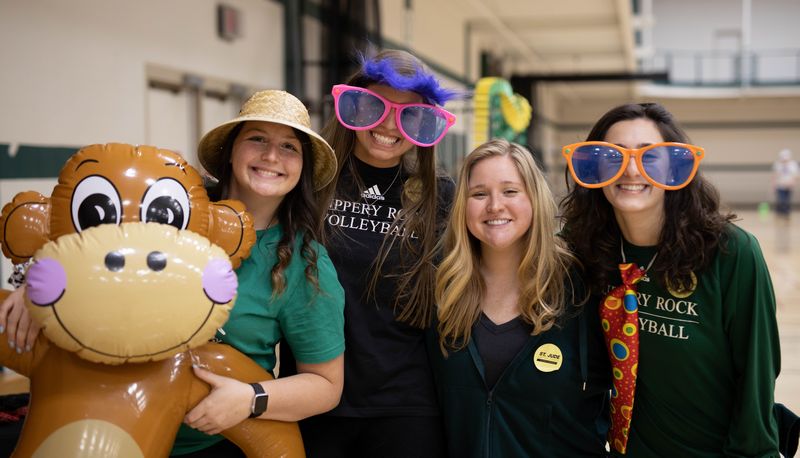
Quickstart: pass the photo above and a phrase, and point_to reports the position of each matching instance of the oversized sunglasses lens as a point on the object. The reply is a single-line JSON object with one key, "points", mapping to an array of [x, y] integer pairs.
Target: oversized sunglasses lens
{"points": [[594, 164], [359, 109], [423, 124], [668, 165]]}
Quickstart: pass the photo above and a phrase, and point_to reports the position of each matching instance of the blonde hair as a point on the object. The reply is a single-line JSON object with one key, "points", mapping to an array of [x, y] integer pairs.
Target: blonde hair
{"points": [[542, 273]]}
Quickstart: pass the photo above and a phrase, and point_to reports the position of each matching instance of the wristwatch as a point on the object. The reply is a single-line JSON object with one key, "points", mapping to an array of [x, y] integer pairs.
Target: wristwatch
{"points": [[260, 398]]}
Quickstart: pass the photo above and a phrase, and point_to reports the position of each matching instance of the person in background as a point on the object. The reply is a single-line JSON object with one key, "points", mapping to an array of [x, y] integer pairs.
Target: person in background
{"points": [[785, 171], [686, 300], [520, 365], [387, 207]]}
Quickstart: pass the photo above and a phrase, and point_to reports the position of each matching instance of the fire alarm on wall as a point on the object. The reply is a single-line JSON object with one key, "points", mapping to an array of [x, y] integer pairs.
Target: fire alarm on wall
{"points": [[228, 22]]}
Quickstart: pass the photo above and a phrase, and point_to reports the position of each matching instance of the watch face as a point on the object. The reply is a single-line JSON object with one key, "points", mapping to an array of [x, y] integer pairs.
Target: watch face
{"points": [[260, 403]]}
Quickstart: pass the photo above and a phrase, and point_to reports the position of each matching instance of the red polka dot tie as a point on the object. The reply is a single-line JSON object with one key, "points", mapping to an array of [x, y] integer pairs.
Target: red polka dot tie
{"points": [[620, 319]]}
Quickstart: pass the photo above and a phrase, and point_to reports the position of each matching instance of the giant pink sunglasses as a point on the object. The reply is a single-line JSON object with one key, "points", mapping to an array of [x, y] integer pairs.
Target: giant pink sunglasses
{"points": [[358, 108]]}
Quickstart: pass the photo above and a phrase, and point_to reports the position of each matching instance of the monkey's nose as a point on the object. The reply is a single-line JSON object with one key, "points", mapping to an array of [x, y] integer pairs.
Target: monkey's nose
{"points": [[156, 261], [115, 261]]}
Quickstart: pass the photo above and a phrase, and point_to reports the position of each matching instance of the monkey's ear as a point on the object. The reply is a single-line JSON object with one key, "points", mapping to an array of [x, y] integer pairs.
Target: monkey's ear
{"points": [[231, 227], [24, 225]]}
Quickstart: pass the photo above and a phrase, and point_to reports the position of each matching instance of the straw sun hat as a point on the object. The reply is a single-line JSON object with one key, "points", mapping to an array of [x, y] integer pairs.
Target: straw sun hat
{"points": [[272, 106]]}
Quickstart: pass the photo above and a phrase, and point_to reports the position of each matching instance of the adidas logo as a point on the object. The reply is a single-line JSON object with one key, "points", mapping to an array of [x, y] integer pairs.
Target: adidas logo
{"points": [[373, 193]]}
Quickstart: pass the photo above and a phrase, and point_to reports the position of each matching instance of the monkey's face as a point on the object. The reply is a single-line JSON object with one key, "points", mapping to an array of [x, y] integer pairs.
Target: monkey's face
{"points": [[130, 293]]}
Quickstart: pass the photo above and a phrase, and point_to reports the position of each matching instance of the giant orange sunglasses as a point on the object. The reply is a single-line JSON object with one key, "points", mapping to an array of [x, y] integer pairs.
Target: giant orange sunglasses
{"points": [[667, 165]]}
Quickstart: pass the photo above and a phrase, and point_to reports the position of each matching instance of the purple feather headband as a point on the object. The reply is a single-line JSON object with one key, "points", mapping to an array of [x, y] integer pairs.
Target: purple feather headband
{"points": [[422, 82]]}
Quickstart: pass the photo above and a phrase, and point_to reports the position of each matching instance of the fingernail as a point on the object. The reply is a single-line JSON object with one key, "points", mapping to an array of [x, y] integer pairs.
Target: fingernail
{"points": [[11, 344], [19, 351], [28, 347], [2, 329]]}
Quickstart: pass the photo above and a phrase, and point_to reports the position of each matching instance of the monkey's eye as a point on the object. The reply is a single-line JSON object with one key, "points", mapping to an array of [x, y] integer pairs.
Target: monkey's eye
{"points": [[166, 202], [95, 201]]}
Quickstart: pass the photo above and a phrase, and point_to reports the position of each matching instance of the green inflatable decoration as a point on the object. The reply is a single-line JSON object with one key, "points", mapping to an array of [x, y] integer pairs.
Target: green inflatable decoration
{"points": [[499, 112]]}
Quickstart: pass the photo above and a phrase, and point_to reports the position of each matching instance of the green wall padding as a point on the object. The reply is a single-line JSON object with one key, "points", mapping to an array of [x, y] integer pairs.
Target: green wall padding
{"points": [[34, 161]]}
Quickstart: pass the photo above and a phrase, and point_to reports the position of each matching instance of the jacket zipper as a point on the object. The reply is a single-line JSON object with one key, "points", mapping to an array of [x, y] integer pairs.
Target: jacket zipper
{"points": [[490, 401], [488, 448]]}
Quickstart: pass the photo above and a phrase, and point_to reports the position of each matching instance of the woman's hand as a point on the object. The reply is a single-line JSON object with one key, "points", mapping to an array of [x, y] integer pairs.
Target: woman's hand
{"points": [[314, 390], [226, 406], [16, 323]]}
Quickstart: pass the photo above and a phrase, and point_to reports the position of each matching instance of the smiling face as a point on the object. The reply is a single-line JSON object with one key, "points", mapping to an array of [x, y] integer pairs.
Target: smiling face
{"points": [[384, 145], [632, 194], [130, 293], [499, 211], [266, 162]]}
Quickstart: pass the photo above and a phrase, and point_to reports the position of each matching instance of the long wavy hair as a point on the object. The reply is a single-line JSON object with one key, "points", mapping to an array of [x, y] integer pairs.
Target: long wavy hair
{"points": [[414, 302], [542, 274], [694, 227], [300, 213]]}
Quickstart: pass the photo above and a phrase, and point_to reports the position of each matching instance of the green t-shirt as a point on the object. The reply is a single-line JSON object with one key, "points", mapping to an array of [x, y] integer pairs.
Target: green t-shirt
{"points": [[311, 321], [708, 359]]}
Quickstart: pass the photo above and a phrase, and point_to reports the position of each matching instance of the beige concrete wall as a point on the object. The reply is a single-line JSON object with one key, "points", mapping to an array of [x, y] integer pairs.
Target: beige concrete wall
{"points": [[74, 72], [435, 28]]}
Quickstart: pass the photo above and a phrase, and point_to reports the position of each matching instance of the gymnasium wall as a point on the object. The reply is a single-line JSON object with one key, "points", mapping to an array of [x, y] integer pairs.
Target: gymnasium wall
{"points": [[77, 73]]}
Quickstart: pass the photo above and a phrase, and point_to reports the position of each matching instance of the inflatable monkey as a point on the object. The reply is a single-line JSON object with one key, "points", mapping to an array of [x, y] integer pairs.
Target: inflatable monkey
{"points": [[118, 183], [127, 306]]}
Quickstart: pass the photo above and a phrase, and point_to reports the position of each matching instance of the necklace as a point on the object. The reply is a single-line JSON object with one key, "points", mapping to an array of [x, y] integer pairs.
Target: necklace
{"points": [[649, 264]]}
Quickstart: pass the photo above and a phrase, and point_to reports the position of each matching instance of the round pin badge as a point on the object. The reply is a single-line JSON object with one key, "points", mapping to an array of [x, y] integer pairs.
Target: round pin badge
{"points": [[547, 358], [682, 292]]}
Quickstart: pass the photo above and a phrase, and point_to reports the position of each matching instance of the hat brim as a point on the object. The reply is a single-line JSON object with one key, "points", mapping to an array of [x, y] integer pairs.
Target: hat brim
{"points": [[209, 151]]}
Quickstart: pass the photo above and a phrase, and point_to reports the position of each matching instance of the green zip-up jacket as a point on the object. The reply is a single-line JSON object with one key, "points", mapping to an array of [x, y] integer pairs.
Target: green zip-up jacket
{"points": [[528, 413]]}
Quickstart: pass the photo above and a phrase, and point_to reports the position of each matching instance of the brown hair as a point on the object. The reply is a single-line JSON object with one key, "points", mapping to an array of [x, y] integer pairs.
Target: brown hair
{"points": [[693, 224], [299, 213], [414, 300]]}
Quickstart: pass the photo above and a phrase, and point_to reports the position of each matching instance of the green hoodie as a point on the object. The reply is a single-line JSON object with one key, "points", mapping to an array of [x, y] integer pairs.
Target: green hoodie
{"points": [[529, 412]]}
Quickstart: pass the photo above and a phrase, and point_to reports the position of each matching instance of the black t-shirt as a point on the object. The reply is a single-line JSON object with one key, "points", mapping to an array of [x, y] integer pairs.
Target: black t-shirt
{"points": [[386, 364], [498, 344]]}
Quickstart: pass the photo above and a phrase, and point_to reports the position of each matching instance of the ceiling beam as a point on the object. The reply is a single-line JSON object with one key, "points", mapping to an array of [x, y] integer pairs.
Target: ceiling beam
{"points": [[520, 45], [587, 77], [547, 23]]}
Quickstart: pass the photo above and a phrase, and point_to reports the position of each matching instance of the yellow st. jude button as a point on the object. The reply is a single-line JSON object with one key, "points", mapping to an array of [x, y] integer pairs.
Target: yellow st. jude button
{"points": [[547, 358]]}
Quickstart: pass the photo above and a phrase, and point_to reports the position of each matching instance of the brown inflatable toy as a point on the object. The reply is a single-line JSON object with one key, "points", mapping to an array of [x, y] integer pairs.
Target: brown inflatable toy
{"points": [[127, 308], [118, 183]]}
